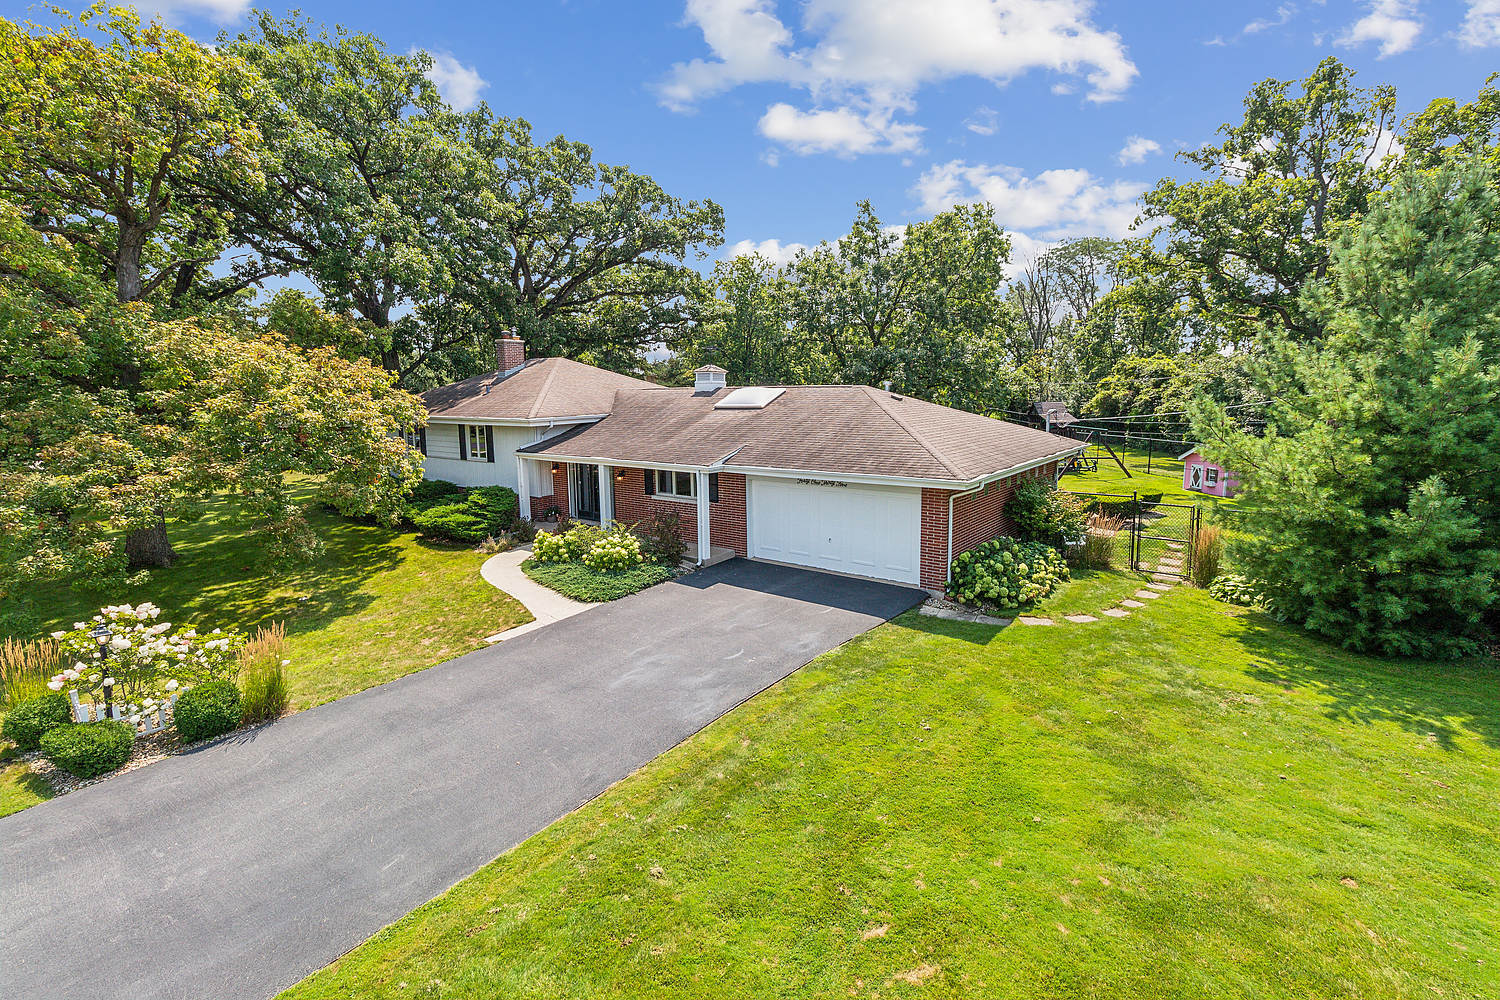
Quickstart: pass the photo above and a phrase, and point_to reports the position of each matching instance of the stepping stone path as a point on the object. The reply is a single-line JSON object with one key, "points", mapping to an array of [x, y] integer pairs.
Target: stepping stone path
{"points": [[939, 608]]}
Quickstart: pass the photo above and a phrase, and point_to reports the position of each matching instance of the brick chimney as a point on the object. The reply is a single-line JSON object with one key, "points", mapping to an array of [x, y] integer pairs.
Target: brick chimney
{"points": [[510, 353]]}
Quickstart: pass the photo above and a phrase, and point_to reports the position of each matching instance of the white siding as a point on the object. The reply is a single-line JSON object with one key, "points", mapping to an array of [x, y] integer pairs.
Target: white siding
{"points": [[442, 460]]}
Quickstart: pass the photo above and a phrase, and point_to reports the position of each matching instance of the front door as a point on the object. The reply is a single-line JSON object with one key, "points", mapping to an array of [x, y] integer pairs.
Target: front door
{"points": [[585, 490]]}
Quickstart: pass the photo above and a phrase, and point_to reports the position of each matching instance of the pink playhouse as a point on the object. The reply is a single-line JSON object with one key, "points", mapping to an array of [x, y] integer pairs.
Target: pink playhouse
{"points": [[1203, 476]]}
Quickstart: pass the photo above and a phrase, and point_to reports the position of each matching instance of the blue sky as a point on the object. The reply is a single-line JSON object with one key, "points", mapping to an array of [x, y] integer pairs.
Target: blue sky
{"points": [[1058, 111]]}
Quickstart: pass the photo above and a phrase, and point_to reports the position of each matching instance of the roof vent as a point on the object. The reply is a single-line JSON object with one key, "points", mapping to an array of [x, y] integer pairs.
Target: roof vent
{"points": [[751, 397], [709, 379]]}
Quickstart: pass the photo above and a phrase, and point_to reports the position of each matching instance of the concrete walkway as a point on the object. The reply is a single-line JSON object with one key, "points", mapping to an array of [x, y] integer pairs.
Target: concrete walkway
{"points": [[545, 604], [236, 869]]}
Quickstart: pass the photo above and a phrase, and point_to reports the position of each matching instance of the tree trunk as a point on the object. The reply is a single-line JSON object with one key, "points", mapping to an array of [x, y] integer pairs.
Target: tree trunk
{"points": [[128, 282], [150, 546]]}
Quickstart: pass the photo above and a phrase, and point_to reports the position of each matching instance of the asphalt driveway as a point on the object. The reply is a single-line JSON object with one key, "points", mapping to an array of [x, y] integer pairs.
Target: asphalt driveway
{"points": [[237, 869]]}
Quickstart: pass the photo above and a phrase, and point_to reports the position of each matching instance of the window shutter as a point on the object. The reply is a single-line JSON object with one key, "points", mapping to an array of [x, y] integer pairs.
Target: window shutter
{"points": [[713, 487], [422, 440], [489, 443], [649, 477], [463, 442]]}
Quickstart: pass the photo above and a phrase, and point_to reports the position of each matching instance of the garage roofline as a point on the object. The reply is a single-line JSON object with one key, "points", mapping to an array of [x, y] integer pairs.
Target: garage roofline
{"points": [[853, 477]]}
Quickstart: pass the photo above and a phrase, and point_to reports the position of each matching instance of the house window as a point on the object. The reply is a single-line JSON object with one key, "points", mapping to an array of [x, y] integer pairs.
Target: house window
{"points": [[676, 484], [478, 450], [1213, 476], [413, 439]]}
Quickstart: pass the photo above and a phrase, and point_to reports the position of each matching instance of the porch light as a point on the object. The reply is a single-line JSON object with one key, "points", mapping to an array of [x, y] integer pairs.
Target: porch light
{"points": [[556, 467]]}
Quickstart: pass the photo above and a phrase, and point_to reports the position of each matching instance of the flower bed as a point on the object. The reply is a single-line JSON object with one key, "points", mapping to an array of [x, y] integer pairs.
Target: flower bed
{"points": [[583, 583]]}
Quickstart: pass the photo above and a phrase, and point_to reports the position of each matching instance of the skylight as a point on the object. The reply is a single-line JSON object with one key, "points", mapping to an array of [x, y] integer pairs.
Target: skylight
{"points": [[751, 397]]}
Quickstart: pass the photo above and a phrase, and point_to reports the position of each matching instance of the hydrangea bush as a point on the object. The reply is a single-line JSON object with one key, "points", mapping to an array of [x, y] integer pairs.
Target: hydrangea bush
{"points": [[549, 547], [1007, 573], [616, 550], [146, 661]]}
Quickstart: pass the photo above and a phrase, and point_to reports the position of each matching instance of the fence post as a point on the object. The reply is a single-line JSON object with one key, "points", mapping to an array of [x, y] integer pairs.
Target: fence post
{"points": [[1135, 531]]}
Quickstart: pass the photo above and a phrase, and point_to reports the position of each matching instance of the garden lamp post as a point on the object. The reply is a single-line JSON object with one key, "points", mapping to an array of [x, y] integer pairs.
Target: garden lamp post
{"points": [[102, 634]]}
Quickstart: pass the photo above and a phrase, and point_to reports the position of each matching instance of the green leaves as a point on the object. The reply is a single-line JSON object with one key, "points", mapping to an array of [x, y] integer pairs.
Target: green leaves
{"points": [[1240, 246], [1373, 504]]}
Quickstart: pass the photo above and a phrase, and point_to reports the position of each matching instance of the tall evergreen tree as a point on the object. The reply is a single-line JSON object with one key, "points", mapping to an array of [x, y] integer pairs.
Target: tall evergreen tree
{"points": [[1373, 502]]}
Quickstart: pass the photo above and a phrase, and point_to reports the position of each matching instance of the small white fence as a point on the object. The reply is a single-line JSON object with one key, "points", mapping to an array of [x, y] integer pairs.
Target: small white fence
{"points": [[152, 720]]}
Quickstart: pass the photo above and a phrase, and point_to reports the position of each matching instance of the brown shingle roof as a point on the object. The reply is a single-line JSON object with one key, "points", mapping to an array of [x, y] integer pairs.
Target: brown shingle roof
{"points": [[834, 429], [544, 388]]}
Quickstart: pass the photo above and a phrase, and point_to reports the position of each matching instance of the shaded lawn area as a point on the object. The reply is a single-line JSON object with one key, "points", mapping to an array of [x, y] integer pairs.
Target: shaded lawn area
{"points": [[1192, 802], [19, 788], [377, 604], [581, 583]]}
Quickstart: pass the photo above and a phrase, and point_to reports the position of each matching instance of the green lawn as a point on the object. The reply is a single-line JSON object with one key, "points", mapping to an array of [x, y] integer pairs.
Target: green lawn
{"points": [[1165, 477], [1191, 802], [374, 606], [575, 580], [19, 788]]}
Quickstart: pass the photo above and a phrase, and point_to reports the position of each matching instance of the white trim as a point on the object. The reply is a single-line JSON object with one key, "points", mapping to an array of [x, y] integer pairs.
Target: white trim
{"points": [[851, 477], [1191, 451], [517, 421], [705, 544]]}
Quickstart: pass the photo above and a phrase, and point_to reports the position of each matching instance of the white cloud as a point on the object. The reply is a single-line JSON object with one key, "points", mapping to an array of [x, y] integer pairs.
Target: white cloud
{"points": [[1284, 14], [1481, 27], [773, 250], [1392, 23], [459, 84], [984, 121], [869, 58], [1136, 149], [1052, 205], [843, 131]]}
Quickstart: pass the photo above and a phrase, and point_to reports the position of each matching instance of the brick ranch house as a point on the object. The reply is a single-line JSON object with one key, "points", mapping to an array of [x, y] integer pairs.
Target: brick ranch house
{"points": [[846, 478]]}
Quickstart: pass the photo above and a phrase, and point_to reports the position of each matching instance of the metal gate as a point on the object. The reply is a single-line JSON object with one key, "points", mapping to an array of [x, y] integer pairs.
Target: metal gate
{"points": [[1160, 534]]}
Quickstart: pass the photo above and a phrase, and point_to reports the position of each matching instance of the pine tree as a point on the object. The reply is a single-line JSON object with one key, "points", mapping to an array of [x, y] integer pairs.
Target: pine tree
{"points": [[1372, 504]]}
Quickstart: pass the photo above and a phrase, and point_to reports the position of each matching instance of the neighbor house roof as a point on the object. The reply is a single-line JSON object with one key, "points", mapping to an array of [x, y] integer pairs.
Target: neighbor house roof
{"points": [[543, 388], [832, 429]]}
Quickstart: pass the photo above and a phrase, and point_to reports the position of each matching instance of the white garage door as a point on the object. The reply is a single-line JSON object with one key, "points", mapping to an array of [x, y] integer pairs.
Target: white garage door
{"points": [[865, 530]]}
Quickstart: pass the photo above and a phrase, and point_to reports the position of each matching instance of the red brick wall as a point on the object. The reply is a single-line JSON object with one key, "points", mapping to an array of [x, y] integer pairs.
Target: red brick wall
{"points": [[559, 497], [632, 505], [727, 518], [976, 519]]}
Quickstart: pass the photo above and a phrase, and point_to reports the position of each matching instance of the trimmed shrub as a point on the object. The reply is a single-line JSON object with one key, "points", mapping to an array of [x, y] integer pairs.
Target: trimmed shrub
{"points": [[1041, 514], [1007, 573], [549, 547], [661, 537], [28, 722], [89, 749], [618, 550], [207, 711], [461, 515], [263, 691], [452, 521], [430, 492]]}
